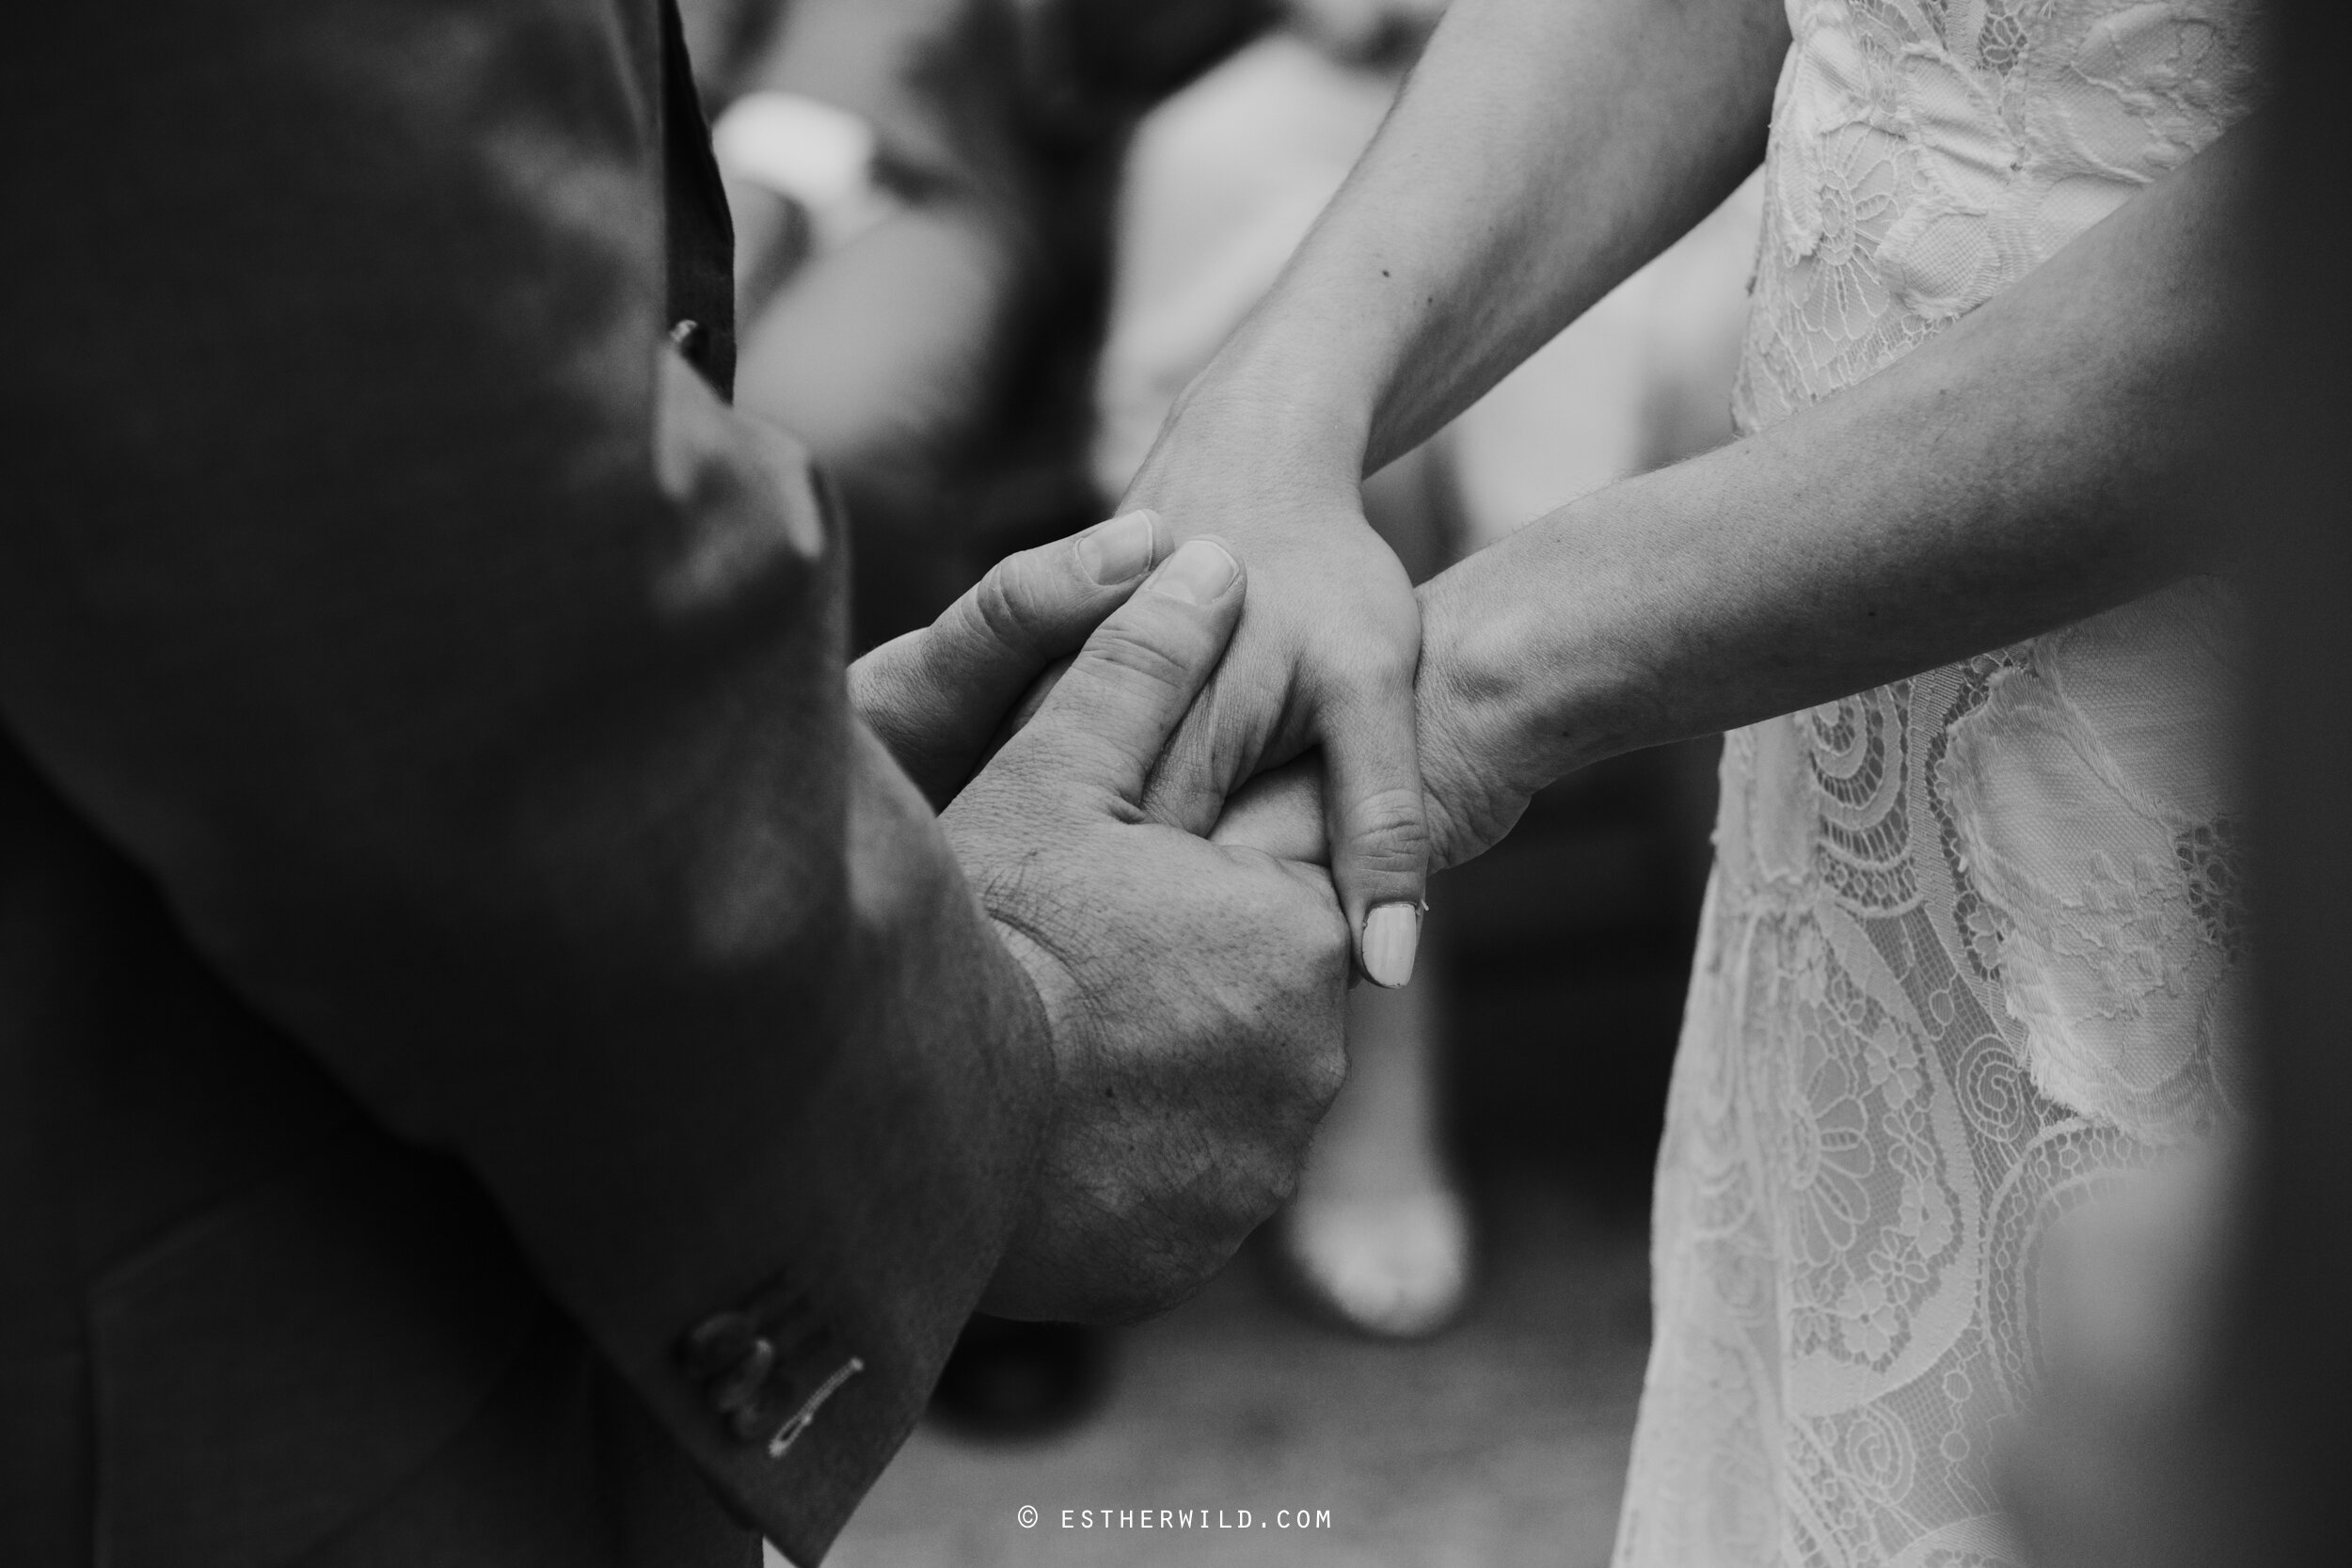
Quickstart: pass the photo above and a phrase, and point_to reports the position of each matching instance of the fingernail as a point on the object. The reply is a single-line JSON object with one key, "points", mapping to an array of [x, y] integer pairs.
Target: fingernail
{"points": [[1118, 549], [1391, 932], [1198, 572]]}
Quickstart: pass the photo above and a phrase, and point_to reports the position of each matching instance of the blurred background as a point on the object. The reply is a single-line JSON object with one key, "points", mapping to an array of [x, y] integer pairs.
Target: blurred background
{"points": [[982, 246]]}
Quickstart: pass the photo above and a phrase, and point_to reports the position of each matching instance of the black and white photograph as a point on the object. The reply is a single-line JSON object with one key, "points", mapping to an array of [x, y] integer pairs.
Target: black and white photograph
{"points": [[1175, 783]]}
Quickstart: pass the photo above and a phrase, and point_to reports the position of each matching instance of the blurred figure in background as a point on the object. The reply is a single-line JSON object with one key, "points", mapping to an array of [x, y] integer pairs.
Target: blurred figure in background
{"points": [[922, 192]]}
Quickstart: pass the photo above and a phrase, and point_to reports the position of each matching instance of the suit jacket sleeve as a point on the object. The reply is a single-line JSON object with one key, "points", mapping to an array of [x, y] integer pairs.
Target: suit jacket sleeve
{"points": [[469, 678]]}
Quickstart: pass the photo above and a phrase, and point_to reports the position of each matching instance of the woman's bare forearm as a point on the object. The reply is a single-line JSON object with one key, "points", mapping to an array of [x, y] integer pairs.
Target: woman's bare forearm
{"points": [[2025, 469], [1542, 150]]}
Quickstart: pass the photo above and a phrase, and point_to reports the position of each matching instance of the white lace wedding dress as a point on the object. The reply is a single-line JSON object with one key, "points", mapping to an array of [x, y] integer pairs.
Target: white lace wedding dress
{"points": [[1972, 941]]}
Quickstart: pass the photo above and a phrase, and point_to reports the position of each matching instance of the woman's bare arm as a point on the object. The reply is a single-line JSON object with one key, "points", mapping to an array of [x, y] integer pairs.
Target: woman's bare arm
{"points": [[1542, 150], [2023, 470]]}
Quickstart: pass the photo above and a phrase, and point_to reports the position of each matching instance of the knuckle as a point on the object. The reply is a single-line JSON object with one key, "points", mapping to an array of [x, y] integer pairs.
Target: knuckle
{"points": [[1387, 656], [888, 697], [1002, 609], [1298, 1027], [1380, 639], [890, 663], [1323, 1071], [1388, 831], [1336, 950], [1131, 654], [865, 686]]}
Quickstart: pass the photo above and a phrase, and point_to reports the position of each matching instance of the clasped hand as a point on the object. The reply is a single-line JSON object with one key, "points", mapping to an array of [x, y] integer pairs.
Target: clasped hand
{"points": [[1343, 726], [1189, 952], [1191, 991]]}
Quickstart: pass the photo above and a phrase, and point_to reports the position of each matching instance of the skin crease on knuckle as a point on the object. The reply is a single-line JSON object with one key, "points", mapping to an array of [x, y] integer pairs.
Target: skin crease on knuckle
{"points": [[1003, 614], [1391, 830], [1162, 653], [1045, 589]]}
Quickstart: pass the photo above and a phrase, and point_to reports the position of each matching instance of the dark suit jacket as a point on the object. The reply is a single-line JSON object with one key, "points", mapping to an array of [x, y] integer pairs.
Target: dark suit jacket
{"points": [[485, 1038]]}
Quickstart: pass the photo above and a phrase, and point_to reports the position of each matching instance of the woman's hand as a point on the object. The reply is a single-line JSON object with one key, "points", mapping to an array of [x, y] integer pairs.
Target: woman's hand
{"points": [[1325, 657], [938, 697], [1476, 779]]}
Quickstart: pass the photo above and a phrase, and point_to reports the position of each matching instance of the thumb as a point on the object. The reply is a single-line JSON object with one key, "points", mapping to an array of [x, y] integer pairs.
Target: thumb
{"points": [[1035, 606], [1106, 721], [936, 696], [1379, 828]]}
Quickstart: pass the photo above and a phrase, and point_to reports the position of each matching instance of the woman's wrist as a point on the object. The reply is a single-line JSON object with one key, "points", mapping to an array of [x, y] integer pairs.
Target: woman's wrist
{"points": [[1527, 660], [1261, 463], [1478, 694], [1257, 405], [1316, 364]]}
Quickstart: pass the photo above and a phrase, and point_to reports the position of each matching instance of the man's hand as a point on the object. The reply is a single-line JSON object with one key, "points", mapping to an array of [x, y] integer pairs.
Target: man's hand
{"points": [[937, 697], [1325, 658], [1193, 993]]}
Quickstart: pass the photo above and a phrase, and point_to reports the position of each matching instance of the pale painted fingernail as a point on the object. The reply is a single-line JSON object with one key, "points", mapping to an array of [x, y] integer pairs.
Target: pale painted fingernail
{"points": [[1118, 549], [1391, 932], [1198, 572]]}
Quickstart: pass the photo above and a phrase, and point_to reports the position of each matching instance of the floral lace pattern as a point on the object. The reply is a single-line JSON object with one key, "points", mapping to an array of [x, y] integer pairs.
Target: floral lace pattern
{"points": [[1970, 950]]}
